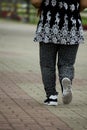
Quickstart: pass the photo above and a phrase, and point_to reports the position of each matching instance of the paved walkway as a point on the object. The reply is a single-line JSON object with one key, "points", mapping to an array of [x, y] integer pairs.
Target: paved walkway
{"points": [[21, 89]]}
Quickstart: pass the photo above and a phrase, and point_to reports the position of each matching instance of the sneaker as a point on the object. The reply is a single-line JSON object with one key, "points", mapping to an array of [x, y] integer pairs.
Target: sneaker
{"points": [[67, 90], [51, 101]]}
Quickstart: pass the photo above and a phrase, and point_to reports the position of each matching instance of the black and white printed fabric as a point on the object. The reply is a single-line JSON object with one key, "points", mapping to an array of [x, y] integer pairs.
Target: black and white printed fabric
{"points": [[60, 23]]}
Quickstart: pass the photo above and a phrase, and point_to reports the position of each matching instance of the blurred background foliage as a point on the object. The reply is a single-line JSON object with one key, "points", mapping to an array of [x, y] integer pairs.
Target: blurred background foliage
{"points": [[19, 10], [22, 10]]}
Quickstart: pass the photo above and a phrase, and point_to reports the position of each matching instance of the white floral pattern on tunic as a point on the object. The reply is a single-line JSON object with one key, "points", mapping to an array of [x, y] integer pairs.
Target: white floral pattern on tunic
{"points": [[60, 23]]}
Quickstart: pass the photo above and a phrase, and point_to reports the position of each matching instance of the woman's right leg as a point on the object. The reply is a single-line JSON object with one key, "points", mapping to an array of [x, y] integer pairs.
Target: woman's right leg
{"points": [[66, 60], [48, 54]]}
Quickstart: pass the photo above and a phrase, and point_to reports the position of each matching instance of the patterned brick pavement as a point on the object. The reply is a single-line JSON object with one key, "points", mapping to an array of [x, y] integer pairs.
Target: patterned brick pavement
{"points": [[18, 111]]}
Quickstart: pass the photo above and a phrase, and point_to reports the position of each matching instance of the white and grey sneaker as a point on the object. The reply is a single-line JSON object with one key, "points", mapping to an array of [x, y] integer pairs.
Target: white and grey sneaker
{"points": [[67, 90], [51, 101]]}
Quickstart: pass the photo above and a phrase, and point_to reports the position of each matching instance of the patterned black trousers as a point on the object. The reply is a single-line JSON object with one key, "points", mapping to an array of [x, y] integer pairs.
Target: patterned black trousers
{"points": [[61, 55]]}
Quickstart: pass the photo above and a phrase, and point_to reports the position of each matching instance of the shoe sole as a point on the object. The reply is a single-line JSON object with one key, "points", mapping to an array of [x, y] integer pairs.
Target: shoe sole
{"points": [[51, 104], [67, 97]]}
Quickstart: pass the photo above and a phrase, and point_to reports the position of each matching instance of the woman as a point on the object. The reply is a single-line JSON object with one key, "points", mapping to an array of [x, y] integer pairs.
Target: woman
{"points": [[59, 33]]}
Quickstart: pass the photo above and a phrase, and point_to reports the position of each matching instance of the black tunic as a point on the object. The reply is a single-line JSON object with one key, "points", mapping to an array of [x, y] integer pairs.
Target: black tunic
{"points": [[60, 22]]}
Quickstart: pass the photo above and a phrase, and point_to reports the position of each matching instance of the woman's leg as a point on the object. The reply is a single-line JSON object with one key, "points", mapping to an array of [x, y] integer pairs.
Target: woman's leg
{"points": [[66, 60], [48, 54]]}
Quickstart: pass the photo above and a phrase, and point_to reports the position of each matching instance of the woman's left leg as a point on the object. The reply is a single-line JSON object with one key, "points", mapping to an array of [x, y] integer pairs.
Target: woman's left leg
{"points": [[48, 54]]}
